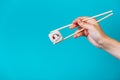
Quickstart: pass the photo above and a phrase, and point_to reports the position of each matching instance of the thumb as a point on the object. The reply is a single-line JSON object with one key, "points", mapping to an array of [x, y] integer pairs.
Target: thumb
{"points": [[84, 24]]}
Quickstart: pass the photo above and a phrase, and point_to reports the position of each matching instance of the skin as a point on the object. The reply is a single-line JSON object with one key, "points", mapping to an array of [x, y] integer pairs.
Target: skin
{"points": [[96, 36]]}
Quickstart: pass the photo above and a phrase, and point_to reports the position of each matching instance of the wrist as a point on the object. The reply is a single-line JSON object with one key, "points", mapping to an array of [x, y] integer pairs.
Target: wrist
{"points": [[104, 39]]}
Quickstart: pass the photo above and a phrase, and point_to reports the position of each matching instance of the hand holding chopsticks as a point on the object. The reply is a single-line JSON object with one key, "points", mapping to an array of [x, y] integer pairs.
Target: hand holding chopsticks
{"points": [[56, 37]]}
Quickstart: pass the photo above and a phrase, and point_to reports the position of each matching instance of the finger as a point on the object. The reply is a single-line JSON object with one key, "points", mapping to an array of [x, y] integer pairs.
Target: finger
{"points": [[73, 26], [85, 24], [91, 21], [85, 33], [82, 33], [78, 33], [75, 22]]}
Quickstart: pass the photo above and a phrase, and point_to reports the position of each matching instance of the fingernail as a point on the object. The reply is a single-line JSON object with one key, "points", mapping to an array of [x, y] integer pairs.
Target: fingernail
{"points": [[80, 23], [75, 36], [71, 27]]}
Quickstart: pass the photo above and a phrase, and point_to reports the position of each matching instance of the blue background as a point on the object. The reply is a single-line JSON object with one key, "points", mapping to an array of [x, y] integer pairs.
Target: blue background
{"points": [[26, 52]]}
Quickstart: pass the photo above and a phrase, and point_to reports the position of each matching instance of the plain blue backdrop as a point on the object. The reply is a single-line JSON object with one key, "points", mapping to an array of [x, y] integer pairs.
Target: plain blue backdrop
{"points": [[26, 52]]}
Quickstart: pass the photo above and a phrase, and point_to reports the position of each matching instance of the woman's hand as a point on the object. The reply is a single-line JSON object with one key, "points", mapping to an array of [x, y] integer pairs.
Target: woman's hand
{"points": [[92, 31]]}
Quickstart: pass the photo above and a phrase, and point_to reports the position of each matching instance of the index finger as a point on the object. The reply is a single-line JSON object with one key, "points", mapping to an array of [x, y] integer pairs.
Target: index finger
{"points": [[75, 22]]}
